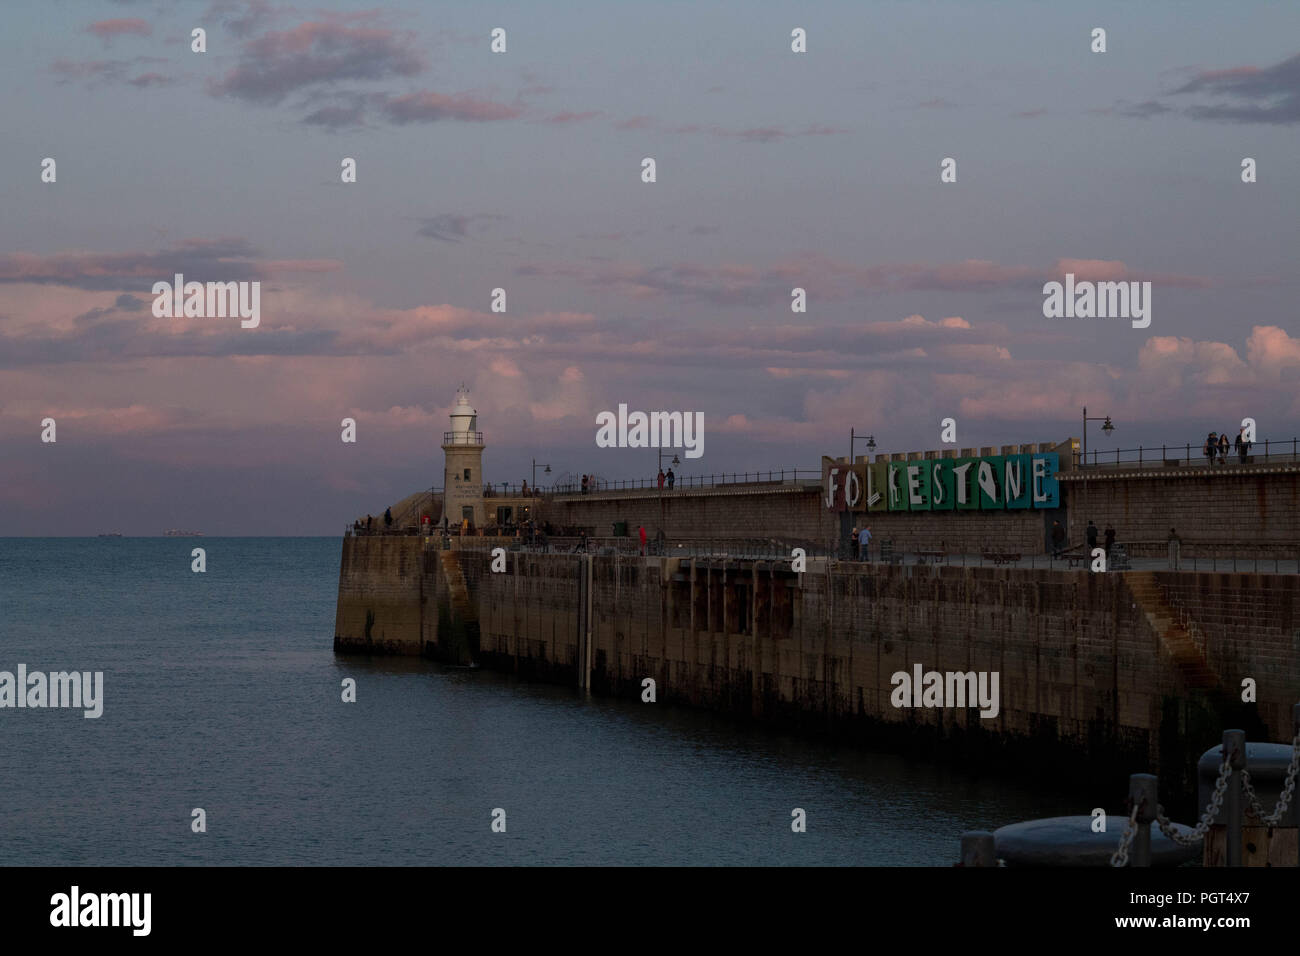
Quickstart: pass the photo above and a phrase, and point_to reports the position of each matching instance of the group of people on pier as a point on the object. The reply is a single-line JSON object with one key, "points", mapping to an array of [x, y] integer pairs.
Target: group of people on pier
{"points": [[1216, 447]]}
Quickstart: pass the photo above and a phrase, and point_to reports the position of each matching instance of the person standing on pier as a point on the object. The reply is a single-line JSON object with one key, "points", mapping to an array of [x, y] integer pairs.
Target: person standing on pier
{"points": [[671, 478], [1223, 449], [641, 533], [853, 540], [1110, 540], [661, 479], [864, 544], [1092, 537], [584, 484]]}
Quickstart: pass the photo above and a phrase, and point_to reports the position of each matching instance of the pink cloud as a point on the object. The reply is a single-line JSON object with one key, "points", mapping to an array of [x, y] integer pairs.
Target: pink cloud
{"points": [[126, 26]]}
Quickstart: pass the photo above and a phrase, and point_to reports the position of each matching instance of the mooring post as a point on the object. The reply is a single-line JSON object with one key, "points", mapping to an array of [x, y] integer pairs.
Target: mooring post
{"points": [[1234, 749], [1142, 789], [977, 849]]}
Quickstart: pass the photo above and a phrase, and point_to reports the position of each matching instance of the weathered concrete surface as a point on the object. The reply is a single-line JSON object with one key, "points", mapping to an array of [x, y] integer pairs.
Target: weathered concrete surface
{"points": [[1089, 686], [382, 596]]}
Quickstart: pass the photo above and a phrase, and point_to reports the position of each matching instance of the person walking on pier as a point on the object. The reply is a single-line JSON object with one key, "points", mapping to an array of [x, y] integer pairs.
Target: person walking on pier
{"points": [[1210, 448], [1223, 449], [661, 479], [640, 530], [864, 544], [1092, 537], [1058, 539], [584, 484], [853, 541], [388, 517], [671, 478]]}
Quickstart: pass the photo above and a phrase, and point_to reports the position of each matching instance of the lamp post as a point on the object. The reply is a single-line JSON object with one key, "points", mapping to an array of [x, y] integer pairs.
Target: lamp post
{"points": [[1107, 427], [546, 472], [855, 438], [662, 519]]}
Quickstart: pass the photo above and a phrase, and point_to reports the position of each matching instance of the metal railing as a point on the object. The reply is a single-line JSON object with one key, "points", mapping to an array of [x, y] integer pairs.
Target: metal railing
{"points": [[775, 476], [1156, 456], [462, 438]]}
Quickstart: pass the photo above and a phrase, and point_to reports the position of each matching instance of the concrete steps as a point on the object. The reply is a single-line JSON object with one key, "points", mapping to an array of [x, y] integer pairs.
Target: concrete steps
{"points": [[457, 588], [1174, 638]]}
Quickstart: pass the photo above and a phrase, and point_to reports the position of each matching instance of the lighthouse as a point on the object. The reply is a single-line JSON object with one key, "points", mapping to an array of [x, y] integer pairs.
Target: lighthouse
{"points": [[462, 448]]}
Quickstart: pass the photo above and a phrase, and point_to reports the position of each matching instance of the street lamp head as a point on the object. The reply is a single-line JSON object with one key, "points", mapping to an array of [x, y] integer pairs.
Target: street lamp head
{"points": [[676, 460], [1106, 426], [548, 470], [871, 442]]}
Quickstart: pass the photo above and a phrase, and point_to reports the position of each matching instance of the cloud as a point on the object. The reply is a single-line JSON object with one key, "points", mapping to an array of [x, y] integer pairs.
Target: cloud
{"points": [[566, 117], [242, 19], [1244, 94], [448, 227], [429, 107], [317, 54], [99, 72], [126, 26], [200, 260], [733, 284]]}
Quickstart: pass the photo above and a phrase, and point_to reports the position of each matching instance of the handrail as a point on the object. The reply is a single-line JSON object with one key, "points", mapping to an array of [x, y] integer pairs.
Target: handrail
{"points": [[1270, 450]]}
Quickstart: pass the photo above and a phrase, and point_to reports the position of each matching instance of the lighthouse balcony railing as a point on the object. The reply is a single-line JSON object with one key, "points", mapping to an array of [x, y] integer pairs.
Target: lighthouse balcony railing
{"points": [[462, 438]]}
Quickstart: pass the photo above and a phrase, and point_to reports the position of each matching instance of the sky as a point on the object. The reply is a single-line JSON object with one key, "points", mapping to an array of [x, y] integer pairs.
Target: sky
{"points": [[522, 171]]}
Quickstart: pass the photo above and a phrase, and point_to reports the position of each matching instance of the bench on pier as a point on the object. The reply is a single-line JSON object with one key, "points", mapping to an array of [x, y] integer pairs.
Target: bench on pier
{"points": [[932, 556]]}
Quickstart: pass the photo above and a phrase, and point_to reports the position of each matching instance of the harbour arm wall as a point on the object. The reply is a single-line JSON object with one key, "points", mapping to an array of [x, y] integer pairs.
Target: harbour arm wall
{"points": [[1100, 674], [1097, 677]]}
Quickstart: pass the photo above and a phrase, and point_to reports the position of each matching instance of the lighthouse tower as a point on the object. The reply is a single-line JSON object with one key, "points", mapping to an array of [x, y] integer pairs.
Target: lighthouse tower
{"points": [[462, 479]]}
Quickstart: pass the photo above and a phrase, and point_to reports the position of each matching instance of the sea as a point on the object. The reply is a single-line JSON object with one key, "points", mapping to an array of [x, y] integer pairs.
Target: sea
{"points": [[222, 693]]}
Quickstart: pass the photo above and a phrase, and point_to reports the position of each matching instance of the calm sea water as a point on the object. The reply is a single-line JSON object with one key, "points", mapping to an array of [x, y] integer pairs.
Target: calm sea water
{"points": [[222, 691]]}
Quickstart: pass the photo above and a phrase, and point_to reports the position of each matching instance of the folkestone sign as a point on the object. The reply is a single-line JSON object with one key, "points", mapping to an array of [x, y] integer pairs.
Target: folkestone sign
{"points": [[993, 482]]}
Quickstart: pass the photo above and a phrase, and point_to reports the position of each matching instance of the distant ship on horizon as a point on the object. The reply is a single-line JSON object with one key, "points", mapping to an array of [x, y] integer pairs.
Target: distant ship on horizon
{"points": [[174, 533], [110, 534]]}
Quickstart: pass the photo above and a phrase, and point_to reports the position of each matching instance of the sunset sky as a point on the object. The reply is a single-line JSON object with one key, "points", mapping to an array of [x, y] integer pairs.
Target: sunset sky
{"points": [[522, 171]]}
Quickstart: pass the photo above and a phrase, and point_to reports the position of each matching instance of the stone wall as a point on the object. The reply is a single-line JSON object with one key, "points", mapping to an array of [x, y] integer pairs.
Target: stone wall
{"points": [[1251, 506], [382, 590], [1255, 508], [1086, 685]]}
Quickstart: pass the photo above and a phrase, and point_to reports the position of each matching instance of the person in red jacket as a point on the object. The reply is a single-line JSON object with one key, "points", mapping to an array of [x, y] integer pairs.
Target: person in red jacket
{"points": [[641, 531]]}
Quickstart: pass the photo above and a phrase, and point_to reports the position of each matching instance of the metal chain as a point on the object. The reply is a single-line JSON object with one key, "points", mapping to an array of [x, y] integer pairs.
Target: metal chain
{"points": [[1288, 789], [1120, 856], [1207, 818]]}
